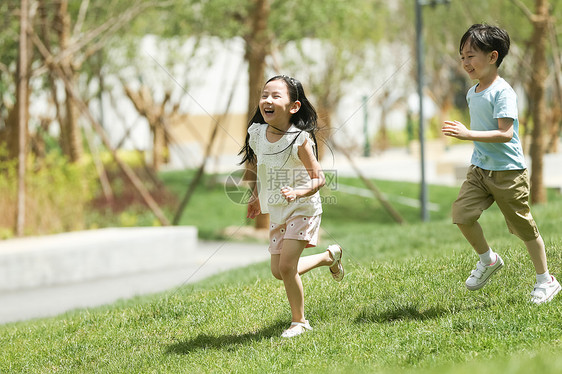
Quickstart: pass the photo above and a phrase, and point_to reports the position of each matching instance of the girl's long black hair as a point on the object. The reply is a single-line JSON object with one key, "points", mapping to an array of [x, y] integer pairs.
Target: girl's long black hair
{"points": [[305, 119]]}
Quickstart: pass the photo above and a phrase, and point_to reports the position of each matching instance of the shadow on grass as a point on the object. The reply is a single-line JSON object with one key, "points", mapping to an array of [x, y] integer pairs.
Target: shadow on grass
{"points": [[400, 313], [224, 342], [409, 311]]}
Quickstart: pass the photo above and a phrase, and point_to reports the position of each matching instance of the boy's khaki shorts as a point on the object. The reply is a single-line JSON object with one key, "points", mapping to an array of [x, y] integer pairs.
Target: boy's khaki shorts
{"points": [[509, 189]]}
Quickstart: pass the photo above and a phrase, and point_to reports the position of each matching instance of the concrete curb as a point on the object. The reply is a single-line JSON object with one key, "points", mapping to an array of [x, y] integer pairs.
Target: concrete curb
{"points": [[81, 256], [205, 259]]}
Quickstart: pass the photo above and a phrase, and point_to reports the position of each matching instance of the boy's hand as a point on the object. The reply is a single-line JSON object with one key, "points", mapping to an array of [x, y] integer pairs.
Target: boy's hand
{"points": [[455, 129], [254, 208]]}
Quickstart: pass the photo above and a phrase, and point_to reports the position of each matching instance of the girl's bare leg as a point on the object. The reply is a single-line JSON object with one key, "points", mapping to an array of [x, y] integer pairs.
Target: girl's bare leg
{"points": [[306, 263], [288, 269], [288, 266]]}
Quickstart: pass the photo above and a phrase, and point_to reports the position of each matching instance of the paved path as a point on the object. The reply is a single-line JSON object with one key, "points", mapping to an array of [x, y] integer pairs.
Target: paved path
{"points": [[209, 258]]}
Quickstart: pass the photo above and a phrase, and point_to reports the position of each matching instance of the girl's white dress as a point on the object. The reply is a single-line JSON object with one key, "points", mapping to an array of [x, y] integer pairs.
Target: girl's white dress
{"points": [[278, 165]]}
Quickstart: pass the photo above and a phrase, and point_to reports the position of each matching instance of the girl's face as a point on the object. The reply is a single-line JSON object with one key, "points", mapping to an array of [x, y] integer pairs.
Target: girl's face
{"points": [[275, 104], [478, 64]]}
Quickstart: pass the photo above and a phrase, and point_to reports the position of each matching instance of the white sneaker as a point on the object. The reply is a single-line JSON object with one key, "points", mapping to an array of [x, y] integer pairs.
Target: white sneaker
{"points": [[297, 330], [480, 276], [544, 292]]}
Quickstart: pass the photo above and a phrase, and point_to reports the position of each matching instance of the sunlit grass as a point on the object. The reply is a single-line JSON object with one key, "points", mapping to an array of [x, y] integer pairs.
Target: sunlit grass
{"points": [[401, 308]]}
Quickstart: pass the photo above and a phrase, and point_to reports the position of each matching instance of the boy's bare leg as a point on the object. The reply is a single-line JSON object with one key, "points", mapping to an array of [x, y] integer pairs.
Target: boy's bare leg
{"points": [[475, 236], [537, 253]]}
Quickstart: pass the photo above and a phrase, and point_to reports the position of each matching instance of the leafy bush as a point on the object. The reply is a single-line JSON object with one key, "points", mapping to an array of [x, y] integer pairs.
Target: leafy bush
{"points": [[56, 195]]}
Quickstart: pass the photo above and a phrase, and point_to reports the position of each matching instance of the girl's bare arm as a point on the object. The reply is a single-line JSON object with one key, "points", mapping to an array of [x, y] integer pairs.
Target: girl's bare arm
{"points": [[312, 166]]}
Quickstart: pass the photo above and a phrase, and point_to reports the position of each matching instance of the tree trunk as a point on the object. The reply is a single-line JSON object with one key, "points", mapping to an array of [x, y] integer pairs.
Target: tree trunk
{"points": [[325, 125], [22, 109], [160, 139], [71, 138], [159, 145], [71, 129], [382, 142], [156, 117], [12, 124], [258, 45], [555, 119], [537, 90], [21, 106]]}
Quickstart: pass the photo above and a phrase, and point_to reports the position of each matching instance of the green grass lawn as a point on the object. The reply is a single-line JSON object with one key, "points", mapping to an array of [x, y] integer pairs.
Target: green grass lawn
{"points": [[401, 308]]}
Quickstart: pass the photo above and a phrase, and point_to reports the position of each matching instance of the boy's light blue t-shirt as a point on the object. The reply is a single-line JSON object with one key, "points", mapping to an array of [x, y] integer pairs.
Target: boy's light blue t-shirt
{"points": [[497, 101]]}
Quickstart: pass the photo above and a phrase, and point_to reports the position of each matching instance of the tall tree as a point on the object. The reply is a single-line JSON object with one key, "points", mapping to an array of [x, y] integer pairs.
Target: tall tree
{"points": [[22, 109], [537, 90], [246, 19], [73, 43], [263, 24], [540, 20], [340, 54], [13, 132], [157, 117], [137, 184], [71, 138], [258, 47]]}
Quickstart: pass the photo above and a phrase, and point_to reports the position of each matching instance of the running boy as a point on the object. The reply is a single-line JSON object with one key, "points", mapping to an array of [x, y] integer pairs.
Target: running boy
{"points": [[498, 171]]}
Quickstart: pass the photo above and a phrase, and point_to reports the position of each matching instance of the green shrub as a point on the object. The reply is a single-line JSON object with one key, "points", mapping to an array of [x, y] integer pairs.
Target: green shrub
{"points": [[56, 195]]}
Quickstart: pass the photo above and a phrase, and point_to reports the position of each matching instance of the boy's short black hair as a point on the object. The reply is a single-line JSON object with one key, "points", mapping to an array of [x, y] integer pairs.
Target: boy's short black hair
{"points": [[487, 38]]}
